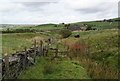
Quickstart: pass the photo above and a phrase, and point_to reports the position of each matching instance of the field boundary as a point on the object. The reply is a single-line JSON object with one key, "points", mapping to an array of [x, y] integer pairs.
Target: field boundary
{"points": [[14, 64]]}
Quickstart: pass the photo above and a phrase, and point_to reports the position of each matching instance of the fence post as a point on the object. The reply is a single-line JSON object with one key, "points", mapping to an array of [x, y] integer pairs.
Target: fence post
{"points": [[41, 48], [44, 50], [67, 51], [56, 51], [24, 59], [34, 51], [47, 48], [6, 65], [25, 56]]}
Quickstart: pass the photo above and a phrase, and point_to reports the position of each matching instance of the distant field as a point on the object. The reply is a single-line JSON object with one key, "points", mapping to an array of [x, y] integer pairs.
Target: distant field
{"points": [[47, 27], [101, 25], [39, 27]]}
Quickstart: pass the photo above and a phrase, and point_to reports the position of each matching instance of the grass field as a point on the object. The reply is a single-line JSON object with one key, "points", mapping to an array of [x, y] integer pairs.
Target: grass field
{"points": [[101, 25], [44, 27], [18, 41]]}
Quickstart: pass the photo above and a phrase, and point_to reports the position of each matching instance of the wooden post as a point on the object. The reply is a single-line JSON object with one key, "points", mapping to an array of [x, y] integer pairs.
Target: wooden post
{"points": [[25, 56], [24, 59], [56, 51], [34, 51], [41, 48], [47, 48], [67, 50], [6, 65]]}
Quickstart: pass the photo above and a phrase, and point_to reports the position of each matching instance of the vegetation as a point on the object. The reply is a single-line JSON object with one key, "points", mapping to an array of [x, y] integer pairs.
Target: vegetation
{"points": [[89, 27], [92, 56], [94, 52], [97, 52], [65, 33], [47, 69], [43, 27], [18, 41], [101, 24]]}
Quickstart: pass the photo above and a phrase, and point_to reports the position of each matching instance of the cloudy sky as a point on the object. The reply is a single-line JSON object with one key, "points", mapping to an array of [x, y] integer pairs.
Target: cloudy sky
{"points": [[56, 11]]}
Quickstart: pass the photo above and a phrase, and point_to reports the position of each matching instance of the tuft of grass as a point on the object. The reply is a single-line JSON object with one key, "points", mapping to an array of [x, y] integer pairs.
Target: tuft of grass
{"points": [[98, 71]]}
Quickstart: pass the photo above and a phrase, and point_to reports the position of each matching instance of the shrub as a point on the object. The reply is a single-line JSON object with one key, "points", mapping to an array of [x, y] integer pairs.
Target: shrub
{"points": [[55, 26], [65, 33], [77, 50], [89, 27]]}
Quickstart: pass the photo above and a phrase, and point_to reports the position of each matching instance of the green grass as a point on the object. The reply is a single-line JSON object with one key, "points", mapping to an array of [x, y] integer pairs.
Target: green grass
{"points": [[45, 27], [106, 40], [73, 69], [101, 25], [65, 69], [18, 41], [103, 50]]}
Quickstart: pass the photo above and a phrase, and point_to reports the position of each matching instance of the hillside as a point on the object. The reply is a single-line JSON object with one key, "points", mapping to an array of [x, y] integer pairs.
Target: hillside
{"points": [[101, 24]]}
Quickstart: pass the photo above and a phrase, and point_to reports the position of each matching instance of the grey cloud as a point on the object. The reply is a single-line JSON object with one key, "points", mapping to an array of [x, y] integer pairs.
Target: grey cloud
{"points": [[45, 12], [103, 7], [34, 6], [89, 10], [119, 9]]}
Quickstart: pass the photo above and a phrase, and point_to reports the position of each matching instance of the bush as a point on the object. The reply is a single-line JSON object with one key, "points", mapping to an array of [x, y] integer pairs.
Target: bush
{"points": [[78, 50], [89, 27], [65, 33], [55, 26]]}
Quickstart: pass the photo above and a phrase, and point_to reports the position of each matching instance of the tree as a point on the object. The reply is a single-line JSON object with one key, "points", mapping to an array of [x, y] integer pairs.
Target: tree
{"points": [[8, 29], [65, 33], [89, 27], [55, 25]]}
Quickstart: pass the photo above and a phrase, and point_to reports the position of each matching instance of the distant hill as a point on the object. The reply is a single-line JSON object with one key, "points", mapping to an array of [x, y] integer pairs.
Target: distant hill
{"points": [[116, 18], [45, 25], [15, 25], [102, 24]]}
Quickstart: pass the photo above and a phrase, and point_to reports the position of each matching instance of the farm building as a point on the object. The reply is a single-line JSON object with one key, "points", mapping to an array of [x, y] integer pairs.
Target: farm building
{"points": [[76, 27]]}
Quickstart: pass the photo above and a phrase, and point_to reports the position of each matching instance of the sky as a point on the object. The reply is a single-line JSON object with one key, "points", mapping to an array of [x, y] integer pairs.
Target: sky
{"points": [[56, 11]]}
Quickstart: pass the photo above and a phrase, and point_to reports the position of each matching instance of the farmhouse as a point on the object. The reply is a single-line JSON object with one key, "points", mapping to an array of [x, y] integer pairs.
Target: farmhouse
{"points": [[76, 27]]}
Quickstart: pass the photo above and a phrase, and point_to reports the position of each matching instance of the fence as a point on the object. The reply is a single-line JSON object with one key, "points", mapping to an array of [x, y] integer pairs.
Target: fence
{"points": [[13, 65]]}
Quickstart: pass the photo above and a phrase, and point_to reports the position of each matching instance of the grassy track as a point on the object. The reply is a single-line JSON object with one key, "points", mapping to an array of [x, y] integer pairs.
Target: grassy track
{"points": [[55, 70]]}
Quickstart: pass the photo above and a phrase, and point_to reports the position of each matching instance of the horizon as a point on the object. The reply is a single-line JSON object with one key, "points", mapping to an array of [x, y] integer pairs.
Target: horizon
{"points": [[51, 23]]}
